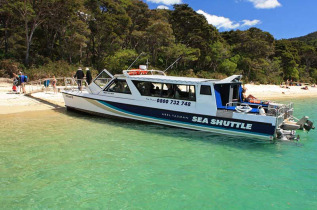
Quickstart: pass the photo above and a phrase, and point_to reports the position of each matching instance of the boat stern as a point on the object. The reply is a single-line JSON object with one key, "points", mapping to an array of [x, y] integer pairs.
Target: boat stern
{"points": [[287, 124]]}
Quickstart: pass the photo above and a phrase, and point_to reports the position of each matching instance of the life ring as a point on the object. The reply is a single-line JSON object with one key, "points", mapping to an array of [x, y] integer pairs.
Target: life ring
{"points": [[243, 108], [137, 72]]}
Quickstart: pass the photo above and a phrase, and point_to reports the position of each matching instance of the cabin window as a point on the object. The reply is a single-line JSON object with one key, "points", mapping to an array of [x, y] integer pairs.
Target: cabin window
{"points": [[119, 86], [166, 90], [185, 92], [102, 79], [205, 90], [235, 93], [148, 88]]}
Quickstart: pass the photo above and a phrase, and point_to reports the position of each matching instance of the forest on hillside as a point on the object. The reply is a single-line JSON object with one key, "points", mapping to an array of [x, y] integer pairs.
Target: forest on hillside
{"points": [[43, 37]]}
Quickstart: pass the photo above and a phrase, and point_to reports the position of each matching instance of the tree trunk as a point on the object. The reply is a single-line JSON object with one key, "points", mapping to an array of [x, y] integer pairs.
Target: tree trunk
{"points": [[6, 45]]}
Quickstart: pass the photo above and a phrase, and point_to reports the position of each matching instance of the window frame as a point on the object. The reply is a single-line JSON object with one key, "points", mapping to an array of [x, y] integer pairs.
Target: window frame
{"points": [[161, 90], [112, 82], [205, 93]]}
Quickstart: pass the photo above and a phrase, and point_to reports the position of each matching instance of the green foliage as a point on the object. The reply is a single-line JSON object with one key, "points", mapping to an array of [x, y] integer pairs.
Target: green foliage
{"points": [[8, 67], [55, 37], [58, 69], [227, 67], [120, 60]]}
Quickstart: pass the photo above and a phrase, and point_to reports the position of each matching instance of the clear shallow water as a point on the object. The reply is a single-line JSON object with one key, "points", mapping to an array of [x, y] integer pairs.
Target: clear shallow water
{"points": [[59, 159]]}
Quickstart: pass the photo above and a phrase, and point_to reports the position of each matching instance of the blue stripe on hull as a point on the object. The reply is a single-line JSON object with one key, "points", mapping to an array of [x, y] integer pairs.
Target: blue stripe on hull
{"points": [[258, 128]]}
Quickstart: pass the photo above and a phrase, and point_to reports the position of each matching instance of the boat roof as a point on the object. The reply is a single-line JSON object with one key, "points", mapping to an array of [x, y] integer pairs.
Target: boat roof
{"points": [[162, 78], [175, 79]]}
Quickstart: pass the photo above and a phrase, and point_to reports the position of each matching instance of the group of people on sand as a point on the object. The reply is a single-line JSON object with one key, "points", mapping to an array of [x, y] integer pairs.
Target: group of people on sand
{"points": [[19, 81], [80, 75], [289, 83]]}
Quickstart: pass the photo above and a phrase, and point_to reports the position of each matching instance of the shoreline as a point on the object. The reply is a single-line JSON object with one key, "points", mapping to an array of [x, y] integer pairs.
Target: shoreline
{"points": [[15, 103]]}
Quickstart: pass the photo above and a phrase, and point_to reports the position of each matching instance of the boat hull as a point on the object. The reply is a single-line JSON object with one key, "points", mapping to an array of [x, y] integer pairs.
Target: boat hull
{"points": [[172, 118]]}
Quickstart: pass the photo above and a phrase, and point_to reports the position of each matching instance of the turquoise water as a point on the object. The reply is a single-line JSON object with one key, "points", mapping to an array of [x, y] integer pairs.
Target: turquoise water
{"points": [[59, 159]]}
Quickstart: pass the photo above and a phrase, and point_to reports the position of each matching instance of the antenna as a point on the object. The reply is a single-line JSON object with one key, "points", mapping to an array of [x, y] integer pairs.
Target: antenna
{"points": [[173, 63], [135, 60], [147, 63]]}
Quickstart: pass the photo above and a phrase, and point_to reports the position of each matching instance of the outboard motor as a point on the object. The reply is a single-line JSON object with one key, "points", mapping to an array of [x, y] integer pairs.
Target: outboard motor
{"points": [[309, 125], [306, 124]]}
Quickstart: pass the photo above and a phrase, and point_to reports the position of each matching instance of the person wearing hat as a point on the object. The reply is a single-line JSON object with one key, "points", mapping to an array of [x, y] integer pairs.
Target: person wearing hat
{"points": [[79, 76], [88, 76]]}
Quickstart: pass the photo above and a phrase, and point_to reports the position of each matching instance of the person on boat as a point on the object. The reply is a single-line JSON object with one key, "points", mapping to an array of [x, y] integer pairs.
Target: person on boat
{"points": [[88, 76], [170, 91], [79, 76], [244, 95]]}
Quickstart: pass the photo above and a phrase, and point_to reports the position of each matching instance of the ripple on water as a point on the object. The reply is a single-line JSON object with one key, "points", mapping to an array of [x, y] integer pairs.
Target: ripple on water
{"points": [[59, 159]]}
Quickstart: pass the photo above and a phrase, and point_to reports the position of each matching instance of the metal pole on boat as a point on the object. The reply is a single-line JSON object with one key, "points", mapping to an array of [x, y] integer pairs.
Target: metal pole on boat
{"points": [[173, 63], [135, 60]]}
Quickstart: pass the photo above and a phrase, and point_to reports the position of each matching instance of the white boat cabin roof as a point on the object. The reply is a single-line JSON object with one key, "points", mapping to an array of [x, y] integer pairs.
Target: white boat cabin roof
{"points": [[162, 78], [174, 79]]}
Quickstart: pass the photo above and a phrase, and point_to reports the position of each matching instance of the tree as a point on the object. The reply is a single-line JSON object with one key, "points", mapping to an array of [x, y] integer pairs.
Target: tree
{"points": [[32, 14], [193, 30], [109, 26], [158, 34]]}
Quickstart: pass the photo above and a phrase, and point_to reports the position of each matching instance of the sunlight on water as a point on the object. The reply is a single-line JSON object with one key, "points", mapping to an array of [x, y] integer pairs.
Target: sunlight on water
{"points": [[59, 159]]}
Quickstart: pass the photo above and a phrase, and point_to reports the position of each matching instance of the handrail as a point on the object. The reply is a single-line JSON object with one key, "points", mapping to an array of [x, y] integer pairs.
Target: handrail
{"points": [[69, 83]]}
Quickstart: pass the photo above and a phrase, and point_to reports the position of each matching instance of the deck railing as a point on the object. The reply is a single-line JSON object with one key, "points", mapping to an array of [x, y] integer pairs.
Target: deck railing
{"points": [[62, 83]]}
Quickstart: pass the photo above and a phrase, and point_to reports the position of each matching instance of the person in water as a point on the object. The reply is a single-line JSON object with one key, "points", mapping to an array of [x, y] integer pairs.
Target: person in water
{"points": [[88, 76], [79, 76]]}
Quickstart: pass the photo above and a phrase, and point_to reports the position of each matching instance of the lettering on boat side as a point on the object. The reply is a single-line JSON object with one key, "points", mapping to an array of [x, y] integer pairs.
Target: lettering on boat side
{"points": [[224, 123], [174, 102], [176, 116]]}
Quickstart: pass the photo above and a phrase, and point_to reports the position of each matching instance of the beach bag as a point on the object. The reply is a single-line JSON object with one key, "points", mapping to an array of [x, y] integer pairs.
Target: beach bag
{"points": [[14, 88], [46, 83]]}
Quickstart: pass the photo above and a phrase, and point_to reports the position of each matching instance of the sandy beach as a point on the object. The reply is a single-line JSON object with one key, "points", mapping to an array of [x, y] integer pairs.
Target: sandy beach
{"points": [[271, 92], [14, 103]]}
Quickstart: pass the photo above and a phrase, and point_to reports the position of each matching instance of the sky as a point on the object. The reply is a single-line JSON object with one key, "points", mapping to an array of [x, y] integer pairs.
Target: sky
{"points": [[282, 18]]}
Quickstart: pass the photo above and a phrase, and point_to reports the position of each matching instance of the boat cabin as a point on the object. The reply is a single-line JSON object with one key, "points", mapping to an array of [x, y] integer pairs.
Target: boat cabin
{"points": [[209, 94]]}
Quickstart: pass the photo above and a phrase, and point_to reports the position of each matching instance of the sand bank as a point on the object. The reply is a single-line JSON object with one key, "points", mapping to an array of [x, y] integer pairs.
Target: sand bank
{"points": [[13, 103], [276, 92]]}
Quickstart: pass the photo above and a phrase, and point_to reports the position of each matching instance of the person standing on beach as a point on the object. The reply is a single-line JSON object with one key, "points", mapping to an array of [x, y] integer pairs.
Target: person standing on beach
{"points": [[88, 76], [79, 76], [15, 87], [46, 83], [22, 82], [54, 84]]}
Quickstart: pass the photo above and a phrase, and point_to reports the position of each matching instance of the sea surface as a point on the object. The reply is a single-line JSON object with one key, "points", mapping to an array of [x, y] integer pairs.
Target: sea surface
{"points": [[67, 160]]}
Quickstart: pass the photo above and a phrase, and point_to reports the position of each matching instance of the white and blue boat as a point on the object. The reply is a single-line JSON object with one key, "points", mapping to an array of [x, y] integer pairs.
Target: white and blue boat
{"points": [[191, 103]]}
